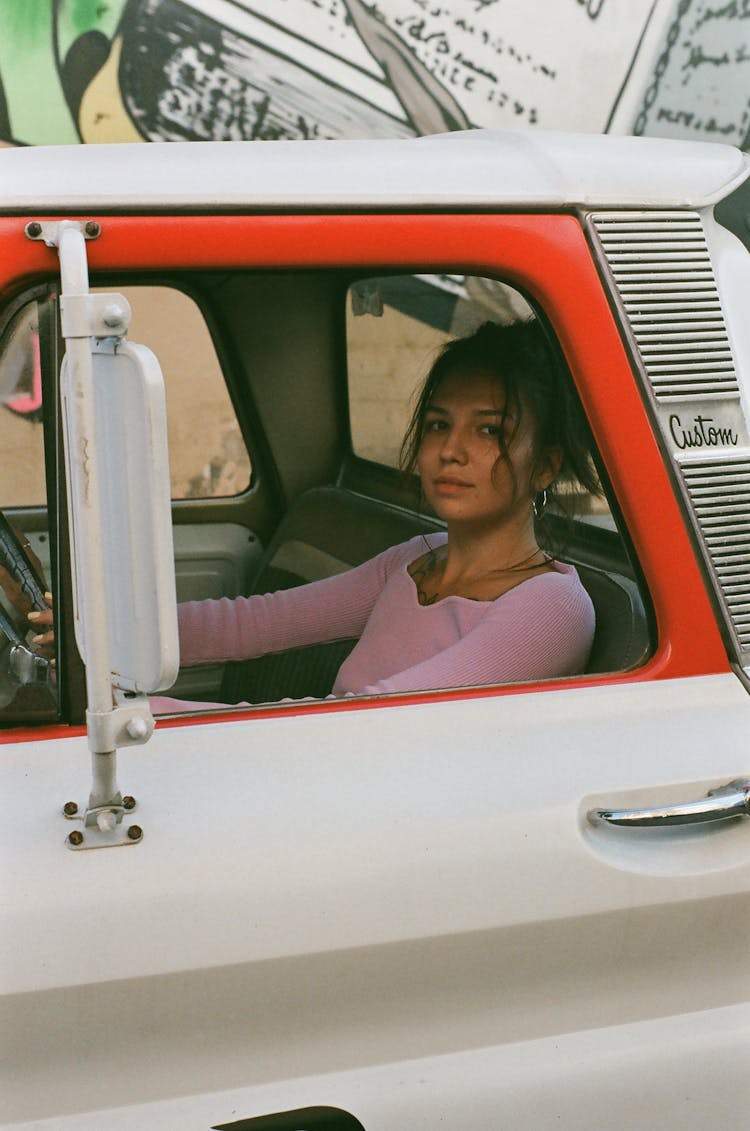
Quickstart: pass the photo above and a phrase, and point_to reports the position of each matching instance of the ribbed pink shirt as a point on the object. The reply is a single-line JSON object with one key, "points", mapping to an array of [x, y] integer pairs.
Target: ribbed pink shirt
{"points": [[540, 629]]}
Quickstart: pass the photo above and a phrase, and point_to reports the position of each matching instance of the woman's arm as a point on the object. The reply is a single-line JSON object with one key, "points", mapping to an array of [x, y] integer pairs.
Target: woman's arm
{"points": [[245, 627]]}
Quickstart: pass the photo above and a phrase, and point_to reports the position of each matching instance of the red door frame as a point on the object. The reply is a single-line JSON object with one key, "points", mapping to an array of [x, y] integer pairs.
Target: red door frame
{"points": [[548, 257]]}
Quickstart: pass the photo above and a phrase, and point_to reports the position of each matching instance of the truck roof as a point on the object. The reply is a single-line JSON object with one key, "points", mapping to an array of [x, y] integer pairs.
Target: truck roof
{"points": [[473, 169]]}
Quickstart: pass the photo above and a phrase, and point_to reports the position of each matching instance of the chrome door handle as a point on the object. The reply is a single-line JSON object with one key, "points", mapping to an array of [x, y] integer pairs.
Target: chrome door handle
{"points": [[732, 800]]}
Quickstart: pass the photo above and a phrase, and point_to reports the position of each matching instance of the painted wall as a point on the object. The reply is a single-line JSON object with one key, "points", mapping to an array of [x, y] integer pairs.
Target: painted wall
{"points": [[155, 70]]}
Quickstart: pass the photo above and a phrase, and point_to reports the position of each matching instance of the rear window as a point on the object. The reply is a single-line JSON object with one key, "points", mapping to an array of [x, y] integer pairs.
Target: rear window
{"points": [[396, 326]]}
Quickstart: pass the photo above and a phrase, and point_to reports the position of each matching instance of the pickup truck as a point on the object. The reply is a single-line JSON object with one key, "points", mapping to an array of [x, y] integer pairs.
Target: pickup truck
{"points": [[478, 907]]}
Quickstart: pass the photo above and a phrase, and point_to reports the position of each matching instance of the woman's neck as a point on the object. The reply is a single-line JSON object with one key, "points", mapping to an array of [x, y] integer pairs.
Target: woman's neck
{"points": [[478, 565], [475, 551]]}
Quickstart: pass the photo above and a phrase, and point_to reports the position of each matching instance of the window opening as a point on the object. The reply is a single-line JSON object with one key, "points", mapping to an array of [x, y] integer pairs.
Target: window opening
{"points": [[208, 457], [396, 326], [22, 483]]}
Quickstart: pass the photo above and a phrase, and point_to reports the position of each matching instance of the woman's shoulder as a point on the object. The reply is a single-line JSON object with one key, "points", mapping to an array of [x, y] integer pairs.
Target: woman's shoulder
{"points": [[562, 592], [565, 570], [558, 587], [404, 553]]}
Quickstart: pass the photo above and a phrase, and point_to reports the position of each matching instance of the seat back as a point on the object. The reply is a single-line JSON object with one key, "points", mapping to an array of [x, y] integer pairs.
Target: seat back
{"points": [[621, 637], [329, 530]]}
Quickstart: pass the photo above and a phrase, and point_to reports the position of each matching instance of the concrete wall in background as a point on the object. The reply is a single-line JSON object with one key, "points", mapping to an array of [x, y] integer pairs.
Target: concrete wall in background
{"points": [[162, 70]]}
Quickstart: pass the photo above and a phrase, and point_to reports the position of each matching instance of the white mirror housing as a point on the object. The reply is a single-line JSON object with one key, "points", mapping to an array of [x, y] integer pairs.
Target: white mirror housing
{"points": [[135, 527]]}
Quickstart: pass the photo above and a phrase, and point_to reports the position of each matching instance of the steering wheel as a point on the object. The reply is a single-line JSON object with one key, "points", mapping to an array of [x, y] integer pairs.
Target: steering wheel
{"points": [[27, 585], [23, 591]]}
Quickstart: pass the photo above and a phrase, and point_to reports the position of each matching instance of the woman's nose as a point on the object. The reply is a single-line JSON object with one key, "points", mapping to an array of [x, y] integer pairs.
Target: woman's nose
{"points": [[453, 449]]}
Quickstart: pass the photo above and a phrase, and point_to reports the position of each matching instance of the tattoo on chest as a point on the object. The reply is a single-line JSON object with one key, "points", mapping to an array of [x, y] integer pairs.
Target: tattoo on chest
{"points": [[420, 575]]}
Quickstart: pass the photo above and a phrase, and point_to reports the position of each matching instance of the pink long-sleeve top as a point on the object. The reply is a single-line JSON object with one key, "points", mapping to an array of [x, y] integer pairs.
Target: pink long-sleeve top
{"points": [[542, 628]]}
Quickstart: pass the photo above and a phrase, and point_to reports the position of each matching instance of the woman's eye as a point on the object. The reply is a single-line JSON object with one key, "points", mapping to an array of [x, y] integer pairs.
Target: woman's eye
{"points": [[491, 430], [434, 425]]}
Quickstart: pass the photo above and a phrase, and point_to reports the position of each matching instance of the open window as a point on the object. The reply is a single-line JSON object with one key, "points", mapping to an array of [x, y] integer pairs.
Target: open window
{"points": [[209, 461], [395, 326], [325, 365]]}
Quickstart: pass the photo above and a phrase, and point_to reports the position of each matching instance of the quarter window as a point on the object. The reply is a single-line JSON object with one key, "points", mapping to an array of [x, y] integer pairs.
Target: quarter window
{"points": [[207, 454]]}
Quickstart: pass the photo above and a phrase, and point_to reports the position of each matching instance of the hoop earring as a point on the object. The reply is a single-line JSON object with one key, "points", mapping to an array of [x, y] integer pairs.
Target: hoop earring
{"points": [[539, 503]]}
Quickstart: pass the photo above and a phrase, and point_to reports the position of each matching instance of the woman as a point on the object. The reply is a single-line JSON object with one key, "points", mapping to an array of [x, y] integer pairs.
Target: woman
{"points": [[495, 428]]}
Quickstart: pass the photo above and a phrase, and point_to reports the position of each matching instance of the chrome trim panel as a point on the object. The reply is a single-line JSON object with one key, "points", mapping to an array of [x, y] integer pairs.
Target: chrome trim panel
{"points": [[660, 268], [719, 491]]}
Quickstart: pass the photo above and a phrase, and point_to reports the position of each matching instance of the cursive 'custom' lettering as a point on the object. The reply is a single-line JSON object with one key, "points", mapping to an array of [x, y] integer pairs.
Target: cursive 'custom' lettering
{"points": [[701, 433]]}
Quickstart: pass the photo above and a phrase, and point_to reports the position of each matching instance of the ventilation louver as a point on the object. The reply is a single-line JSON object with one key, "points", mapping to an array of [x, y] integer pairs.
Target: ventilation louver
{"points": [[662, 268], [719, 490]]}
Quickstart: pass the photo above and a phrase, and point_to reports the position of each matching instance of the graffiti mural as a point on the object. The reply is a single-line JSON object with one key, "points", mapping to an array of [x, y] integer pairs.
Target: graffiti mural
{"points": [[160, 70], [696, 79]]}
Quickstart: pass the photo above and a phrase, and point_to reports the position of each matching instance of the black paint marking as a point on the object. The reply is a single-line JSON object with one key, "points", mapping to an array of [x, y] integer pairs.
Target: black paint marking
{"points": [[85, 58]]}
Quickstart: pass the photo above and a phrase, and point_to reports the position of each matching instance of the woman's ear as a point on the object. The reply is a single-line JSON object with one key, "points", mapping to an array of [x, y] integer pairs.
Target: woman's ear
{"points": [[547, 468]]}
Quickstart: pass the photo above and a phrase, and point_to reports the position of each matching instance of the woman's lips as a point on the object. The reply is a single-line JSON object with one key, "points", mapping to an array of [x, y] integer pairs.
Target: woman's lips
{"points": [[447, 485]]}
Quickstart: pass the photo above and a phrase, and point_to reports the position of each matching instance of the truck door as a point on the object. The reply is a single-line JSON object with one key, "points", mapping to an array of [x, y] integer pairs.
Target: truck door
{"points": [[401, 906]]}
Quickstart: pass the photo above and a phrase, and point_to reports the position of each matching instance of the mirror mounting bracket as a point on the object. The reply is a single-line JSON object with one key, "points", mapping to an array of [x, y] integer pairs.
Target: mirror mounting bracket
{"points": [[48, 231], [128, 723], [102, 826]]}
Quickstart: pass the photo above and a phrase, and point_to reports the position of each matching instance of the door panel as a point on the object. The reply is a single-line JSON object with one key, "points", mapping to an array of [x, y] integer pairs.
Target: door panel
{"points": [[212, 560], [351, 893]]}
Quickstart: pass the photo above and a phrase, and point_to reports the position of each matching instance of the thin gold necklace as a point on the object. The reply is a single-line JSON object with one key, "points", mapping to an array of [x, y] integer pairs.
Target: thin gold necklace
{"points": [[431, 563]]}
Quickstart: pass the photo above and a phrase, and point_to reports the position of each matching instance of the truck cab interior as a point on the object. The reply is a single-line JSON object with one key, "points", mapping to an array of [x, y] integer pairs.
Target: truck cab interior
{"points": [[288, 394]]}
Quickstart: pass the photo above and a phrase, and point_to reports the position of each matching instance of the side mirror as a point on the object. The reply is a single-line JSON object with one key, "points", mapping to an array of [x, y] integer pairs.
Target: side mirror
{"points": [[130, 435]]}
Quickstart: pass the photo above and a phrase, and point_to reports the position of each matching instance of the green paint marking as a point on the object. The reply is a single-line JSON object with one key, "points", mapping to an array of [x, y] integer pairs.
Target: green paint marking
{"points": [[37, 109], [25, 24], [76, 17]]}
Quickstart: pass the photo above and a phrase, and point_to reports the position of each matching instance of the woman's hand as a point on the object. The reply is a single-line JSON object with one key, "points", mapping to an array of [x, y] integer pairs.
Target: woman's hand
{"points": [[22, 596], [44, 641]]}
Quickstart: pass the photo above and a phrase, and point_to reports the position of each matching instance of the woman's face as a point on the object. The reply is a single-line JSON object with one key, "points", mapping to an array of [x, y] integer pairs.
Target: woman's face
{"points": [[464, 475]]}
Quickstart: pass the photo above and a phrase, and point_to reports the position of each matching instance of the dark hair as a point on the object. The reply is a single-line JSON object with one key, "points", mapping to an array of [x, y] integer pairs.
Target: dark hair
{"points": [[533, 378]]}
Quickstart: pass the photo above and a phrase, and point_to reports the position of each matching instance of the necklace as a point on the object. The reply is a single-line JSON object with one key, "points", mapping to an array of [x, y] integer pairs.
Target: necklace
{"points": [[430, 564]]}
